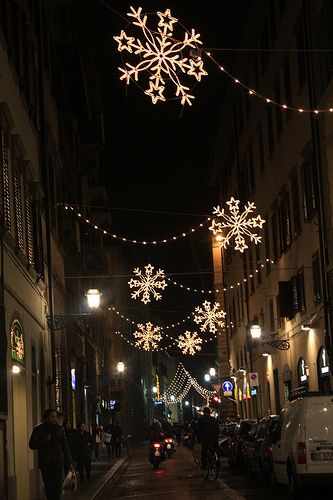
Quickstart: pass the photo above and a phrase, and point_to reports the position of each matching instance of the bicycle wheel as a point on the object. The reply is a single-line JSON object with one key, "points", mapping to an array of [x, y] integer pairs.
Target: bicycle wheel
{"points": [[215, 466]]}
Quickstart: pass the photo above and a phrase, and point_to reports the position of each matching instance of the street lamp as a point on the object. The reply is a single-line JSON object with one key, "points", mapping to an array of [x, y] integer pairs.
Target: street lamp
{"points": [[212, 372], [120, 367], [255, 331], [207, 377], [155, 390], [187, 403], [16, 369], [93, 297]]}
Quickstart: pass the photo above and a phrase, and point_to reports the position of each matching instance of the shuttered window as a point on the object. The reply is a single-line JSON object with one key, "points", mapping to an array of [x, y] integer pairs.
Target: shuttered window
{"points": [[4, 181], [18, 209], [285, 221], [295, 202], [309, 200], [29, 228], [316, 278]]}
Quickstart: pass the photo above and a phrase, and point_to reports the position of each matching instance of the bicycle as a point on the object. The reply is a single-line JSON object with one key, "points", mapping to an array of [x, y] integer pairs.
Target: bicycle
{"points": [[212, 463]]}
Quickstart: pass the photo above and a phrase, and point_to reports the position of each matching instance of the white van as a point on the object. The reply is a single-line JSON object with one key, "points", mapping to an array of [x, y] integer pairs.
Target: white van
{"points": [[302, 446]]}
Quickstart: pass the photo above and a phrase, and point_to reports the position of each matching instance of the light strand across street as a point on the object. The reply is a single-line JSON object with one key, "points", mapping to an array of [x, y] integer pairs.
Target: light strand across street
{"points": [[104, 232], [181, 385]]}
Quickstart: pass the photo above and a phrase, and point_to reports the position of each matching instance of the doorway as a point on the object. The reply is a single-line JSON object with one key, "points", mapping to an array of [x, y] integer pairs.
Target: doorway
{"points": [[20, 436]]}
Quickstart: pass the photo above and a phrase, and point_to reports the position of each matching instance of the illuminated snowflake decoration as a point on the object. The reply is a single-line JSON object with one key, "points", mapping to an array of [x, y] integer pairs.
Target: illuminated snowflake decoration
{"points": [[149, 336], [237, 224], [189, 343], [147, 283], [161, 55], [209, 316]]}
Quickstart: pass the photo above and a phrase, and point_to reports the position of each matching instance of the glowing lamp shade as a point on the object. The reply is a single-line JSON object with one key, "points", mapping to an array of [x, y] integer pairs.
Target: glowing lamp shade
{"points": [[255, 331], [218, 238], [187, 403], [16, 369], [212, 372], [120, 367], [93, 297]]}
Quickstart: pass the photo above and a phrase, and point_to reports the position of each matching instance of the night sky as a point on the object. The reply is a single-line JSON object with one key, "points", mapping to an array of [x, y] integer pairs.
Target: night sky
{"points": [[158, 157]]}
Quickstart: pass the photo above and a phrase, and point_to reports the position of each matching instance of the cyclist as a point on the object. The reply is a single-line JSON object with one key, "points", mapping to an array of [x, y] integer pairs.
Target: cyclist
{"points": [[208, 434]]}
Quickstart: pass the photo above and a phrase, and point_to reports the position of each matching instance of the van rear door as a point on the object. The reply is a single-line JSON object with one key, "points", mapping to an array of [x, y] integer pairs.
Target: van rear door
{"points": [[319, 435]]}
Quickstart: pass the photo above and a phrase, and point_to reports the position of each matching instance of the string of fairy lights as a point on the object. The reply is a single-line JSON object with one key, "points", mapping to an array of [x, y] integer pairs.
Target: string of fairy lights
{"points": [[180, 386]]}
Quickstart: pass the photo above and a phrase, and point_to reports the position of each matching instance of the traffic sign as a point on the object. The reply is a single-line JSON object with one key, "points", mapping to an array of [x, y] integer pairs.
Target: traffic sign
{"points": [[254, 379], [216, 387], [227, 386]]}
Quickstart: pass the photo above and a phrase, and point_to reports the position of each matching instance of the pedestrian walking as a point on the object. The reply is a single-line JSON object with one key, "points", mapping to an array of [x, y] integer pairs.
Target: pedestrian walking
{"points": [[69, 432], [108, 434], [98, 435], [84, 444], [54, 455], [116, 438]]}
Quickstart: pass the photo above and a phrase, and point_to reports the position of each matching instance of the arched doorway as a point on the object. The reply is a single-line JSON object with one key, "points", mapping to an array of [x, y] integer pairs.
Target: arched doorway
{"points": [[20, 434], [323, 368], [302, 372]]}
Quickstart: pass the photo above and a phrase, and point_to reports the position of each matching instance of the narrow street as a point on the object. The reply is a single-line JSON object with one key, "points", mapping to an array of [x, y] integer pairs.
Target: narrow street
{"points": [[179, 477]]}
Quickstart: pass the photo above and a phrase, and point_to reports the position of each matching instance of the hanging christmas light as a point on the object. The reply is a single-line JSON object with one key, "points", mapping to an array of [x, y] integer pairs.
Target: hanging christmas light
{"points": [[189, 343], [149, 336], [237, 224], [147, 283], [209, 316], [160, 56]]}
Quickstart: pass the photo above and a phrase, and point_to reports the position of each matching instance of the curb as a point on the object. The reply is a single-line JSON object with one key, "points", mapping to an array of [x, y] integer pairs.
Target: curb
{"points": [[108, 476]]}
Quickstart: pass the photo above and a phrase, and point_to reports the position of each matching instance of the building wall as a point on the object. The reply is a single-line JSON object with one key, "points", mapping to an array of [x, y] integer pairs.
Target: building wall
{"points": [[267, 155]]}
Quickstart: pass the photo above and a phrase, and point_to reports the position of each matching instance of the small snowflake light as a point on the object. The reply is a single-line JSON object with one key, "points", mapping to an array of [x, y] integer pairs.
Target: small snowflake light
{"points": [[237, 224], [149, 336], [147, 283], [161, 56], [209, 316], [189, 343]]}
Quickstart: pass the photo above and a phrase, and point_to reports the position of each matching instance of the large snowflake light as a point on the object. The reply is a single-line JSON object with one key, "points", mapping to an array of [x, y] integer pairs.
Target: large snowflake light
{"points": [[237, 224], [209, 316], [161, 55], [189, 343], [147, 283], [149, 336]]}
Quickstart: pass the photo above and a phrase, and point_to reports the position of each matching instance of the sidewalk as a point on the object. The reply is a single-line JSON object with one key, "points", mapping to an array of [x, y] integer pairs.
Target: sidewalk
{"points": [[101, 472]]}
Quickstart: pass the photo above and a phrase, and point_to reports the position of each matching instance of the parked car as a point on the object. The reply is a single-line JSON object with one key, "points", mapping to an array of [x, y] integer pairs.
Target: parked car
{"points": [[235, 456], [257, 450], [303, 442], [227, 432]]}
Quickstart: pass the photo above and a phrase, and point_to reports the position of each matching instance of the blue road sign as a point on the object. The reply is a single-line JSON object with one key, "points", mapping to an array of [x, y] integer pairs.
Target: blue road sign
{"points": [[227, 386]]}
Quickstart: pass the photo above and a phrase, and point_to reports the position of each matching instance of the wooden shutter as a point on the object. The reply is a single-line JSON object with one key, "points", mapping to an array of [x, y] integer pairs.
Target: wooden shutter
{"points": [[18, 209], [29, 228], [4, 180]]}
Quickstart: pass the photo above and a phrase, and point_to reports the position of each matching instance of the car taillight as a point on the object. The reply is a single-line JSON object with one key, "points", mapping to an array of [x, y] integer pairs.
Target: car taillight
{"points": [[301, 452]]}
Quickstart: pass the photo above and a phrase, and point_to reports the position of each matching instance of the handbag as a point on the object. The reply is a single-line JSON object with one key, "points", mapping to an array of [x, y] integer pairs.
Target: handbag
{"points": [[70, 483]]}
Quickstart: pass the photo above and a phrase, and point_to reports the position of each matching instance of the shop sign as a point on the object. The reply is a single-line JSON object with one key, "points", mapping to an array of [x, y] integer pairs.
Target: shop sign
{"points": [[73, 379], [17, 343]]}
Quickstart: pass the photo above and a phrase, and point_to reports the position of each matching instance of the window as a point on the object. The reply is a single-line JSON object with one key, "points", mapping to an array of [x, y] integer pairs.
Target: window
{"points": [[295, 202], [276, 234], [271, 315], [267, 247], [301, 54], [298, 292], [270, 131], [18, 209], [37, 238], [285, 224], [29, 228], [261, 147], [316, 278], [309, 199], [5, 215]]}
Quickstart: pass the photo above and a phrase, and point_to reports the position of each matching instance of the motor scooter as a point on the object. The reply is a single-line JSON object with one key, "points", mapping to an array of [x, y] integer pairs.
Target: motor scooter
{"points": [[156, 454], [169, 446]]}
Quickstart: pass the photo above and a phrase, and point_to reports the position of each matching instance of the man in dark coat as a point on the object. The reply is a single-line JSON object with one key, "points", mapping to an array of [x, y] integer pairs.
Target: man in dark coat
{"points": [[83, 445], [50, 441], [208, 434], [116, 437]]}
